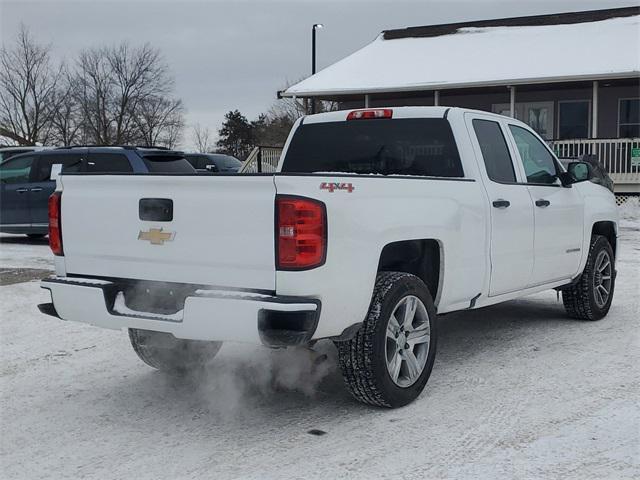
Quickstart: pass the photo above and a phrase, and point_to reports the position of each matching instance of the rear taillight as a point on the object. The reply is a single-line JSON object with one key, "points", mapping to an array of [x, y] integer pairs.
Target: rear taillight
{"points": [[301, 233], [368, 114], [55, 223]]}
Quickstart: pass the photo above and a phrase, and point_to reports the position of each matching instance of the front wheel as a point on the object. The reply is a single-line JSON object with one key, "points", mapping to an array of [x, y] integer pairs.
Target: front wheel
{"points": [[389, 360], [170, 354], [590, 297]]}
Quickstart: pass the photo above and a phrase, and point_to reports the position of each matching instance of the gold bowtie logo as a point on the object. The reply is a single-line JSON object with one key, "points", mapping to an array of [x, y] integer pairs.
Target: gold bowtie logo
{"points": [[156, 236]]}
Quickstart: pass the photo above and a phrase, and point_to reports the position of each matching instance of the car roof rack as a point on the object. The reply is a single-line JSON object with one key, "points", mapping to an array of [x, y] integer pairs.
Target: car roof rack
{"points": [[126, 147]]}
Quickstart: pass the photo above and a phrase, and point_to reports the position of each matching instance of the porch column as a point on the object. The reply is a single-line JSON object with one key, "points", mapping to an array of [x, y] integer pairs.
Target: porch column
{"points": [[594, 111], [436, 98], [512, 102]]}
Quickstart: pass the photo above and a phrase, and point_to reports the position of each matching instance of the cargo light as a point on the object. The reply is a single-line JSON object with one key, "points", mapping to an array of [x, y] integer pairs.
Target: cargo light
{"points": [[368, 114], [55, 223], [301, 233]]}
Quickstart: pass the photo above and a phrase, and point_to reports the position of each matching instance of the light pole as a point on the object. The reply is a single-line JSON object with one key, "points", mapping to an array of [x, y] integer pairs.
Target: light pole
{"points": [[315, 27]]}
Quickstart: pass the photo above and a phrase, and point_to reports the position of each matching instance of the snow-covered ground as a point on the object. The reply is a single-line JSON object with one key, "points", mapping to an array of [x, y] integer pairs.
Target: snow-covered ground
{"points": [[518, 391]]}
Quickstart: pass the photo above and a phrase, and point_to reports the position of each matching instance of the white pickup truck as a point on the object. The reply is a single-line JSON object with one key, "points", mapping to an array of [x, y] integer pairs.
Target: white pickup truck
{"points": [[376, 221]]}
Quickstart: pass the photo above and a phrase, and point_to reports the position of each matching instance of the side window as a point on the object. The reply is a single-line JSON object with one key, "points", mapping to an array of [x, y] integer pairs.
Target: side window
{"points": [[70, 163], [16, 170], [108, 163], [539, 165], [494, 151]]}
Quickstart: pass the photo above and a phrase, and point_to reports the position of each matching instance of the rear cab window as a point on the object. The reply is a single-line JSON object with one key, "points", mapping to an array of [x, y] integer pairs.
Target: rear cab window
{"points": [[403, 146]]}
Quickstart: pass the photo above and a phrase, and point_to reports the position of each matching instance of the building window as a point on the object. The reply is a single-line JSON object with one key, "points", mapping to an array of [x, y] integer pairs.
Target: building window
{"points": [[629, 118], [573, 119]]}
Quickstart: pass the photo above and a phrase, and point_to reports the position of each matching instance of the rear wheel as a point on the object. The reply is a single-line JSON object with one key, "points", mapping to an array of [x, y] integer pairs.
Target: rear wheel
{"points": [[170, 354], [590, 298], [389, 360]]}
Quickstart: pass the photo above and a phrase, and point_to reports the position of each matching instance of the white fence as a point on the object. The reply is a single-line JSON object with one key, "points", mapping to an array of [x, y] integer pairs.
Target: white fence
{"points": [[619, 156], [262, 159]]}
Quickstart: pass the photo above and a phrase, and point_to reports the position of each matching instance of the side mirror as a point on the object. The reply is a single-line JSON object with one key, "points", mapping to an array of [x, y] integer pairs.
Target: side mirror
{"points": [[56, 168], [576, 172]]}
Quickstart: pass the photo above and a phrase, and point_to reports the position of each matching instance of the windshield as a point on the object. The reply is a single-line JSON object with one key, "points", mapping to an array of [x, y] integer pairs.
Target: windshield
{"points": [[408, 146]]}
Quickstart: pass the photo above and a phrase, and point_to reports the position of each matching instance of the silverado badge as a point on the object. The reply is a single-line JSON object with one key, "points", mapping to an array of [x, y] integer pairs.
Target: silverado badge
{"points": [[156, 236]]}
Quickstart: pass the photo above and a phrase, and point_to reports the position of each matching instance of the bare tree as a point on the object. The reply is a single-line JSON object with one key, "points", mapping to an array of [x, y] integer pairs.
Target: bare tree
{"points": [[160, 121], [28, 82], [66, 121], [124, 92], [201, 137]]}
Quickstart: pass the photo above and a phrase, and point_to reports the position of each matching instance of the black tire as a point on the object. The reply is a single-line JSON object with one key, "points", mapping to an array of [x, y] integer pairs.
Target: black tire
{"points": [[36, 236], [363, 358], [580, 299], [169, 354]]}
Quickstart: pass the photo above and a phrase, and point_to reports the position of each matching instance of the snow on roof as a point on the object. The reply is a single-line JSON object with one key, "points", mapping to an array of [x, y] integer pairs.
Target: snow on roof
{"points": [[484, 56]]}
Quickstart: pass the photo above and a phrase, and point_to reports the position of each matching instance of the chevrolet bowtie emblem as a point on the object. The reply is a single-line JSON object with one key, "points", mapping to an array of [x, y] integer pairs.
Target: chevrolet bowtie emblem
{"points": [[156, 236]]}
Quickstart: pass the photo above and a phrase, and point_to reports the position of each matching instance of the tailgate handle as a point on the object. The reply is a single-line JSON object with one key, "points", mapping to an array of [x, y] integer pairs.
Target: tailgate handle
{"points": [[156, 209]]}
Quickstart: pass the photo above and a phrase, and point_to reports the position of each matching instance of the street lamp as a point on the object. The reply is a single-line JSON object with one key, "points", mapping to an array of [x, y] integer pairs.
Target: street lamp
{"points": [[316, 26]]}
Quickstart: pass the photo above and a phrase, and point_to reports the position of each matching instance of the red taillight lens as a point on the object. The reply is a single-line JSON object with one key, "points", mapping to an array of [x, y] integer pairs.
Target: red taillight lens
{"points": [[55, 223], [367, 114], [301, 233]]}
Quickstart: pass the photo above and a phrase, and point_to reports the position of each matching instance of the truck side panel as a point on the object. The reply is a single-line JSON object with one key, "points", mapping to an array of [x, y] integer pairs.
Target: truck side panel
{"points": [[379, 211]]}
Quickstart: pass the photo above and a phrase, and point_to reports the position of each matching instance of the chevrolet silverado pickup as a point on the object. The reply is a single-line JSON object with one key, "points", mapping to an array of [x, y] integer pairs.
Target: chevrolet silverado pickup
{"points": [[375, 222]]}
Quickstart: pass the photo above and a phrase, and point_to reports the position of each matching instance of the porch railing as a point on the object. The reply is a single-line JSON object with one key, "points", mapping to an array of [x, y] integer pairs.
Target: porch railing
{"points": [[262, 159], [619, 156]]}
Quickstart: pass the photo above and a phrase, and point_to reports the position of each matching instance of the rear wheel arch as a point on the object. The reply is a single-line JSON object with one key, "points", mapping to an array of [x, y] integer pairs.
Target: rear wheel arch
{"points": [[423, 258], [608, 230]]}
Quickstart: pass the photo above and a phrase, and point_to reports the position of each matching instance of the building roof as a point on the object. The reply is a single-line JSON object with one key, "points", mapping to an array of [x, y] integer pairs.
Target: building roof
{"points": [[592, 45]]}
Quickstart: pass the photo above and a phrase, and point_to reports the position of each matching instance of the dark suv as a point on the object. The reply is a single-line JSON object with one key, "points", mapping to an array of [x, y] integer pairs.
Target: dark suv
{"points": [[26, 180]]}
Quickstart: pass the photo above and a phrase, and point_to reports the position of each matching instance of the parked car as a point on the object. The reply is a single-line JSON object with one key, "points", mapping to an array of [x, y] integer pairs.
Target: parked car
{"points": [[599, 174], [375, 222], [26, 181], [213, 162], [8, 152]]}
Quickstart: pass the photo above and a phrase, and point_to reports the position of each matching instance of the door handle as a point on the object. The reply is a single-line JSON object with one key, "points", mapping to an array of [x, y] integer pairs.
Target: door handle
{"points": [[22, 190], [542, 203], [36, 189], [501, 203]]}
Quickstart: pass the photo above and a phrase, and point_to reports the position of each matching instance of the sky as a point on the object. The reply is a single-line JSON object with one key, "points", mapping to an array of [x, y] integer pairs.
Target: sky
{"points": [[228, 55]]}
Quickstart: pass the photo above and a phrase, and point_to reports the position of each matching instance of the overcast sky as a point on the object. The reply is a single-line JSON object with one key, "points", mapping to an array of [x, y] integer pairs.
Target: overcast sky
{"points": [[237, 54]]}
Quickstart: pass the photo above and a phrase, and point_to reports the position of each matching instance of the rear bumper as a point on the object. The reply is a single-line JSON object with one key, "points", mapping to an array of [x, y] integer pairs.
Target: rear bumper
{"points": [[217, 315]]}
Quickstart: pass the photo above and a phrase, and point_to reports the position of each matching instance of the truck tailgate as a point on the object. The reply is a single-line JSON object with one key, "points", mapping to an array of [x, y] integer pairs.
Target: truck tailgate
{"points": [[221, 233]]}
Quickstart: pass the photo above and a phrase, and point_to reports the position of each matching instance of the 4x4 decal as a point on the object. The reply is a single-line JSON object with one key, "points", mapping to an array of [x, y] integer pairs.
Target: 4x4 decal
{"points": [[332, 186]]}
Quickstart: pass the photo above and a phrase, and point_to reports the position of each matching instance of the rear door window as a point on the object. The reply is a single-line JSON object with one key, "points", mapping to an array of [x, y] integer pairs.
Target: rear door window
{"points": [[407, 146], [168, 164], [17, 170], [69, 162], [497, 159], [99, 162]]}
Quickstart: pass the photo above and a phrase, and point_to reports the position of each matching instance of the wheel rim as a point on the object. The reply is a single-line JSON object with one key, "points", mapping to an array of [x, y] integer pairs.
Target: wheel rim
{"points": [[407, 341], [602, 278]]}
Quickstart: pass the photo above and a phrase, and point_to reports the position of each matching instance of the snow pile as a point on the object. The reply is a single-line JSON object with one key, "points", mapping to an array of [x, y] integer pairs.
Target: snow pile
{"points": [[629, 213]]}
